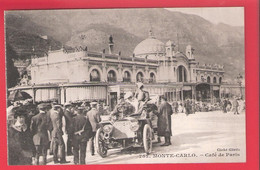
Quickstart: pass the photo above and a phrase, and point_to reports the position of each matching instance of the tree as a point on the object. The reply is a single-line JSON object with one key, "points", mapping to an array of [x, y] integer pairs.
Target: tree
{"points": [[12, 74]]}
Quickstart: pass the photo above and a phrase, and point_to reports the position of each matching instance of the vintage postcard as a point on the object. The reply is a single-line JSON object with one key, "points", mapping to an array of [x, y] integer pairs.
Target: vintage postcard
{"points": [[125, 86]]}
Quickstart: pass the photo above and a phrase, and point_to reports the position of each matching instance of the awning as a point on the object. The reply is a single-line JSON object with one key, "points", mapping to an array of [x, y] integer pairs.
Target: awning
{"points": [[186, 88], [215, 88], [86, 93]]}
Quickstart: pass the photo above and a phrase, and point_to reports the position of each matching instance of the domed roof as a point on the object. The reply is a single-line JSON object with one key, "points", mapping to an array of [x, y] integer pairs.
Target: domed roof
{"points": [[151, 45]]}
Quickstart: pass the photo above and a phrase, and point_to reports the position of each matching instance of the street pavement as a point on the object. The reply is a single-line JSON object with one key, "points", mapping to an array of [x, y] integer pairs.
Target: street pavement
{"points": [[204, 137]]}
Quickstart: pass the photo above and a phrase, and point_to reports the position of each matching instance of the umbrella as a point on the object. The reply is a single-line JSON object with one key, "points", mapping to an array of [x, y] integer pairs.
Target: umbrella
{"points": [[19, 95]]}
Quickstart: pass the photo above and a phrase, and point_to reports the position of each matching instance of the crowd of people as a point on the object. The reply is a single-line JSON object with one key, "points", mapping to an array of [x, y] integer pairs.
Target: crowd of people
{"points": [[235, 105], [190, 106], [35, 129]]}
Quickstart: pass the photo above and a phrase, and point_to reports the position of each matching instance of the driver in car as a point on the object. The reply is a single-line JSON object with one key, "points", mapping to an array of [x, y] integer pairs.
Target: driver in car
{"points": [[124, 107]]}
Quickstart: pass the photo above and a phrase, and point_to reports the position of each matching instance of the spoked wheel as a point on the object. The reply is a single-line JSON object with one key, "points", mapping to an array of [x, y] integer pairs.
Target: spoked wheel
{"points": [[100, 143], [147, 139]]}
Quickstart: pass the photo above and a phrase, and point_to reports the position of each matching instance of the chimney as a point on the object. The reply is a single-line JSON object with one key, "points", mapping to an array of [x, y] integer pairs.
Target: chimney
{"points": [[111, 44]]}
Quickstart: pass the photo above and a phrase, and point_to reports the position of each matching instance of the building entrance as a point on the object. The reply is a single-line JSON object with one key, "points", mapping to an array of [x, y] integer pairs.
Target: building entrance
{"points": [[203, 92], [113, 100]]}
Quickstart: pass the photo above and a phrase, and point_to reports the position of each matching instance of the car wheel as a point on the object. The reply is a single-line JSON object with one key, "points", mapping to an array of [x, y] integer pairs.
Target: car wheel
{"points": [[100, 143], [147, 139]]}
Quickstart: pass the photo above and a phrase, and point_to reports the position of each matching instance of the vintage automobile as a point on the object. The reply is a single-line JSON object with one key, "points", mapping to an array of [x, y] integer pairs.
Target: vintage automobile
{"points": [[134, 130]]}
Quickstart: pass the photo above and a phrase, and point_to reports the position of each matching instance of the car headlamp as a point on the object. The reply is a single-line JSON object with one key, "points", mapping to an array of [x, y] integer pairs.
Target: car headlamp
{"points": [[134, 126], [113, 118], [108, 128]]}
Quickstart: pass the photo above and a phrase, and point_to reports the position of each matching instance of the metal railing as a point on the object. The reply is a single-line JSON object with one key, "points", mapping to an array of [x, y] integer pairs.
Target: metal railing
{"points": [[95, 79], [126, 79], [111, 79]]}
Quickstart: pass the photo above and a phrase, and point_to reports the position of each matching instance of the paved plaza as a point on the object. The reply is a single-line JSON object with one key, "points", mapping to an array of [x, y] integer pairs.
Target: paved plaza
{"points": [[201, 137]]}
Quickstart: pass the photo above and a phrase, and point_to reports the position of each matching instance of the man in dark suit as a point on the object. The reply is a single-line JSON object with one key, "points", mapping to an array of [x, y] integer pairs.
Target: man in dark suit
{"points": [[187, 106], [224, 105], [164, 121], [56, 114], [69, 128], [39, 127], [82, 131], [94, 118]]}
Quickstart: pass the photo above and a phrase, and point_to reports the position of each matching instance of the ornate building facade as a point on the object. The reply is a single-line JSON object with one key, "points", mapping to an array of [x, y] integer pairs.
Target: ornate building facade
{"points": [[84, 75]]}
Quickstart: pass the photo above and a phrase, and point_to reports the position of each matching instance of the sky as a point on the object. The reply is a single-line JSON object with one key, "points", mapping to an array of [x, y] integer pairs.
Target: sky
{"points": [[228, 15]]}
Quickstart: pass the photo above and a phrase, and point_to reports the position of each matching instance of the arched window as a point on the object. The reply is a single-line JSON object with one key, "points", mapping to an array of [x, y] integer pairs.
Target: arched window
{"points": [[214, 80], [220, 80], [94, 75], [111, 76], [127, 77], [181, 74], [152, 78], [208, 79], [139, 77]]}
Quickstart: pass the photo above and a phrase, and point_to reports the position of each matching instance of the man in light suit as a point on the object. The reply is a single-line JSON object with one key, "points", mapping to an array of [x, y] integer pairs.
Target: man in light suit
{"points": [[56, 114], [94, 118]]}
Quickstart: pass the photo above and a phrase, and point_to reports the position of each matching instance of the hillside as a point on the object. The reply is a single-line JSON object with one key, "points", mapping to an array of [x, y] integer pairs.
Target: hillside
{"points": [[220, 43], [96, 38], [23, 35]]}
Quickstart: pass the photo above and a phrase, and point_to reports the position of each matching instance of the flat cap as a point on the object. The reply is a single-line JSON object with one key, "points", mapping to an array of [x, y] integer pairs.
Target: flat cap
{"points": [[44, 106]]}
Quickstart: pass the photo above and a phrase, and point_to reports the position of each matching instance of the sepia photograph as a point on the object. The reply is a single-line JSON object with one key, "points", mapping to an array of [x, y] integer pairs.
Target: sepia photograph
{"points": [[125, 86]]}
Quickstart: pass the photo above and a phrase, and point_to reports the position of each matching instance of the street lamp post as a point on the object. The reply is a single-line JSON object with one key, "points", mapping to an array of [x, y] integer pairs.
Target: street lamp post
{"points": [[239, 81]]}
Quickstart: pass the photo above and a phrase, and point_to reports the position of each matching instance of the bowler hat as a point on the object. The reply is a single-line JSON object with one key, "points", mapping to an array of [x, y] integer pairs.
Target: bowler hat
{"points": [[20, 112]]}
